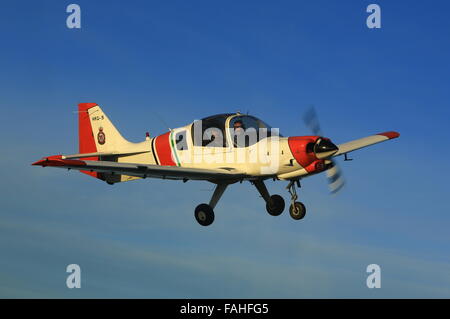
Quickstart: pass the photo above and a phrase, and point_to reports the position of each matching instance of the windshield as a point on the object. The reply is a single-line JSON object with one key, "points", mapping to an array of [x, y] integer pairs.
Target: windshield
{"points": [[247, 130]]}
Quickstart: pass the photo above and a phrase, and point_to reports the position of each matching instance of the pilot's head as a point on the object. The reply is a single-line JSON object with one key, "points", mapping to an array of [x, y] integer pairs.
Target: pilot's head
{"points": [[238, 127]]}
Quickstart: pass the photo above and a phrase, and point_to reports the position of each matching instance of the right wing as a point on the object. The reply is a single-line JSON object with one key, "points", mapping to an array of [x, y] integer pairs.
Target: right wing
{"points": [[364, 142], [142, 170]]}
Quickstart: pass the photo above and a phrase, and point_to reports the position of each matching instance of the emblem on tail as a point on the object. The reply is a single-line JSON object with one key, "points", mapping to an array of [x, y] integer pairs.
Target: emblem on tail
{"points": [[101, 136]]}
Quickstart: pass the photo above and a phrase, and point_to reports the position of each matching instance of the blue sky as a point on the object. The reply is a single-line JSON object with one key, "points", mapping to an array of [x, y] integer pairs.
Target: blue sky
{"points": [[152, 65]]}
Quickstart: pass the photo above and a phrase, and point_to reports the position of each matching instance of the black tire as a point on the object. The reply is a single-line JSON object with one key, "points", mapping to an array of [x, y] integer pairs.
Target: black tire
{"points": [[276, 205], [204, 214], [297, 211]]}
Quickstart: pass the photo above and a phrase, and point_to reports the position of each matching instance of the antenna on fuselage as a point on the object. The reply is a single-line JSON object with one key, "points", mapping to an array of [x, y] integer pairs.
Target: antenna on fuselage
{"points": [[161, 119]]}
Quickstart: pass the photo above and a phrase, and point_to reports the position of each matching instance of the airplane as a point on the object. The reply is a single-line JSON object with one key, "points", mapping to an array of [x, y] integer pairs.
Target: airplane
{"points": [[222, 149]]}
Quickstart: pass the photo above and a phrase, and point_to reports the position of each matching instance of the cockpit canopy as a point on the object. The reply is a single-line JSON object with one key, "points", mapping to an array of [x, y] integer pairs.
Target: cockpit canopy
{"points": [[236, 129]]}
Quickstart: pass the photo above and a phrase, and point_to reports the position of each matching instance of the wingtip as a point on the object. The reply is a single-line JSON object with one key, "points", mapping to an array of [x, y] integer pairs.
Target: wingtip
{"points": [[390, 134]]}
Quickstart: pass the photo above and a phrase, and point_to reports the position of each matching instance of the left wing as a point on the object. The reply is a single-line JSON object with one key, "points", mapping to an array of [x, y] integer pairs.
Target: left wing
{"points": [[142, 170], [364, 142]]}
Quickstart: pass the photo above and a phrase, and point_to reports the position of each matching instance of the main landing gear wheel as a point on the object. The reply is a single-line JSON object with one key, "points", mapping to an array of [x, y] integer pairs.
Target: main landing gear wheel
{"points": [[275, 206], [297, 210], [204, 214]]}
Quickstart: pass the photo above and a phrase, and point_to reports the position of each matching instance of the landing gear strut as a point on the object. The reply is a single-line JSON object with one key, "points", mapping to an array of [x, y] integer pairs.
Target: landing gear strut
{"points": [[274, 203], [204, 213], [297, 210]]}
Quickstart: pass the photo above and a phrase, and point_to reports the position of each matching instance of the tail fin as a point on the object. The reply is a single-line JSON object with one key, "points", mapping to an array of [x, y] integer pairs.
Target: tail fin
{"points": [[96, 132]]}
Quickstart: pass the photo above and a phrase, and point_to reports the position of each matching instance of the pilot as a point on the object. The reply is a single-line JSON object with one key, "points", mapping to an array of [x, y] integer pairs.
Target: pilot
{"points": [[238, 127], [239, 134]]}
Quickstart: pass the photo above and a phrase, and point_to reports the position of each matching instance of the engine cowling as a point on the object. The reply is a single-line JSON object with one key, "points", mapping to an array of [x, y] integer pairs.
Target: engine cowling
{"points": [[311, 151]]}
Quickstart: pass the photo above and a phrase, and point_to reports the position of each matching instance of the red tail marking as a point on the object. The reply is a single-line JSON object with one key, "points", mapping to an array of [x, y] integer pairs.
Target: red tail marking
{"points": [[86, 140]]}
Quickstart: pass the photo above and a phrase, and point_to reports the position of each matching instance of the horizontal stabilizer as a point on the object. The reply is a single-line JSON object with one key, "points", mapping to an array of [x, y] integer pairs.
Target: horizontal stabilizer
{"points": [[118, 154]]}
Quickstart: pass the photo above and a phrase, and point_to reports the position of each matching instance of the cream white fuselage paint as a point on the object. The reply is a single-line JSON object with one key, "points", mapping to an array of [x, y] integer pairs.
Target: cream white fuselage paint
{"points": [[270, 156]]}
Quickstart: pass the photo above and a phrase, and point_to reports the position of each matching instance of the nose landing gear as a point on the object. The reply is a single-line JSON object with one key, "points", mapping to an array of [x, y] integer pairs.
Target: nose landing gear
{"points": [[297, 210]]}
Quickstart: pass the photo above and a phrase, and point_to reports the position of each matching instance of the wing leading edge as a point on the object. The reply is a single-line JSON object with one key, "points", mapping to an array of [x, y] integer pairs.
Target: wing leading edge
{"points": [[365, 141]]}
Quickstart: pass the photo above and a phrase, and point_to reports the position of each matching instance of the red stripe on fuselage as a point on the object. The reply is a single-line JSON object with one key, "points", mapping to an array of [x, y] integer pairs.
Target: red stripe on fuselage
{"points": [[163, 151]]}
